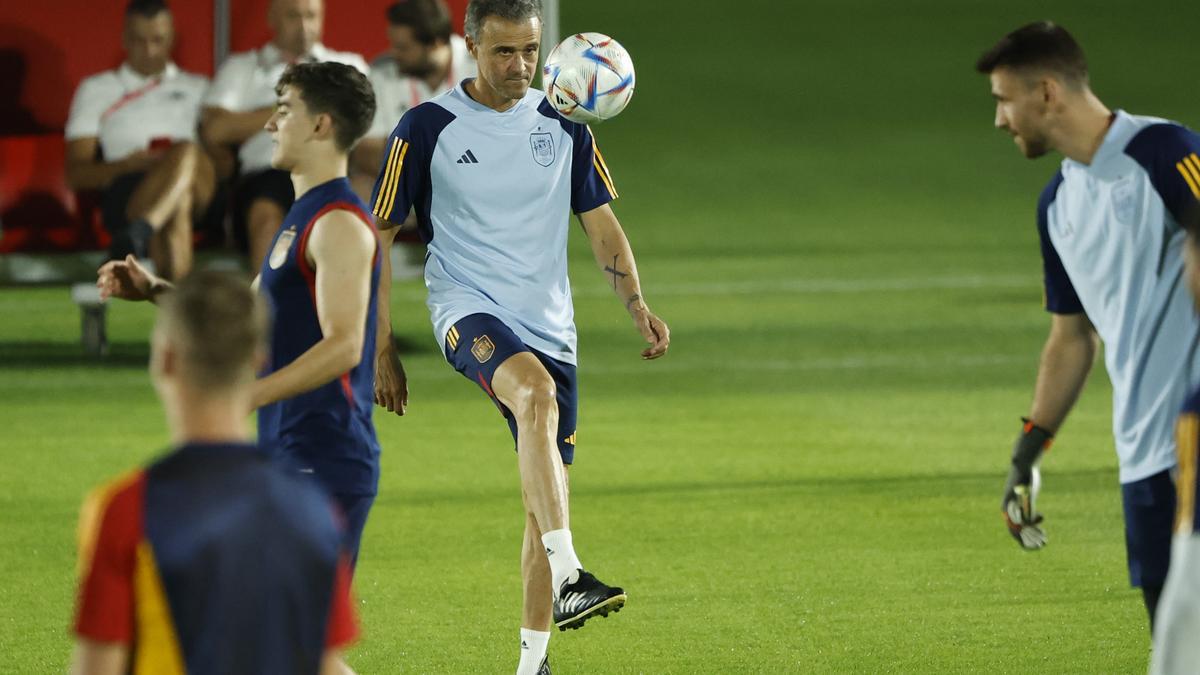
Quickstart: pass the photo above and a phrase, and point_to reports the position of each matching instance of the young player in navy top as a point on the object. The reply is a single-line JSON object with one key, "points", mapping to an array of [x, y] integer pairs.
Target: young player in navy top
{"points": [[321, 277], [212, 559], [493, 174], [1111, 242]]}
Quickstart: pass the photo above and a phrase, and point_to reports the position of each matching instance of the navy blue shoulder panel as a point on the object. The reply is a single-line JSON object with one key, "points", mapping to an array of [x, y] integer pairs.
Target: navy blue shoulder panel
{"points": [[403, 181], [591, 183], [1170, 154], [1061, 297]]}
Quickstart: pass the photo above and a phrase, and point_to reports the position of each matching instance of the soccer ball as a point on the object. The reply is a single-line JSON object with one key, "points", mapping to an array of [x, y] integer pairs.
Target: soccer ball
{"points": [[588, 78]]}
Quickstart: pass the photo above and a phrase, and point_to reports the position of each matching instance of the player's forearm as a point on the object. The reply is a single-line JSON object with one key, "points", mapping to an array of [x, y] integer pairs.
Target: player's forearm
{"points": [[383, 307], [1066, 361], [324, 362], [221, 127], [615, 259]]}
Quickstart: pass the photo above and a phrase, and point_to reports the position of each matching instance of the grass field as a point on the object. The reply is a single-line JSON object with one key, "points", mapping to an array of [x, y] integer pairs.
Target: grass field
{"points": [[810, 481]]}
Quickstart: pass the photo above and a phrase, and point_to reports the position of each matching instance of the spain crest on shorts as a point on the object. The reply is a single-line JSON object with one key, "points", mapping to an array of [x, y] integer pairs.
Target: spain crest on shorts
{"points": [[279, 251], [543, 148], [482, 348]]}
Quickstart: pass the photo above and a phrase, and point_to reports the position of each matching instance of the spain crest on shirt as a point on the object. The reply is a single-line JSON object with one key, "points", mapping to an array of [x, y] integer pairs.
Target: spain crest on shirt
{"points": [[279, 251], [543, 148]]}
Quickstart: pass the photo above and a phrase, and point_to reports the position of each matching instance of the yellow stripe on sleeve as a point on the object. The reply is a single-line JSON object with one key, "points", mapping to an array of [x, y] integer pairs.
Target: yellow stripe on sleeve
{"points": [[387, 176], [391, 200], [607, 183], [1193, 168], [1187, 434], [600, 160], [1187, 177]]}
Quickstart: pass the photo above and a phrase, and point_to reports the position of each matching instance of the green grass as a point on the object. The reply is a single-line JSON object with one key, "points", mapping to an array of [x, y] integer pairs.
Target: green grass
{"points": [[810, 481]]}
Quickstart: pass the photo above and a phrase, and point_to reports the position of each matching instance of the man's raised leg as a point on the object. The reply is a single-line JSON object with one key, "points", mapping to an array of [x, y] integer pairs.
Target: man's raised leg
{"points": [[523, 385]]}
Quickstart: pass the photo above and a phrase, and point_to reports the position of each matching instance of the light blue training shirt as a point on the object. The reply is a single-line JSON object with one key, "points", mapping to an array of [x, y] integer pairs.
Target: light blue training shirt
{"points": [[1112, 248], [493, 193]]}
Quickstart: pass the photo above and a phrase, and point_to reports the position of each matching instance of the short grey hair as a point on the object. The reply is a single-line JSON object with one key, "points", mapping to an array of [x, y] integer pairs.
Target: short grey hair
{"points": [[511, 10]]}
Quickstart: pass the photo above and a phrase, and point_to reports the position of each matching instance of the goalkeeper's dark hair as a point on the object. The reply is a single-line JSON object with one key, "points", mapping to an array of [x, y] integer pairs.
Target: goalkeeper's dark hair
{"points": [[219, 326], [337, 90], [147, 9], [510, 10], [1043, 45], [428, 19]]}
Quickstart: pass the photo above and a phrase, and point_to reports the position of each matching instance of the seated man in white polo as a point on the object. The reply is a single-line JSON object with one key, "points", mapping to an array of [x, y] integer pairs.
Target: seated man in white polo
{"points": [[131, 134], [238, 106]]}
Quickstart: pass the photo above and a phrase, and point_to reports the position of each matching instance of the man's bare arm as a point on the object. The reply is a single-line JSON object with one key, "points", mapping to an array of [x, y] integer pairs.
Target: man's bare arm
{"points": [[86, 172], [340, 249], [219, 126], [391, 382], [1067, 359], [614, 257]]}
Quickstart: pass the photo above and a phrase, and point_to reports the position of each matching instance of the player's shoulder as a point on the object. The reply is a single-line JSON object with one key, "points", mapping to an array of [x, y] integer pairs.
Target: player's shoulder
{"points": [[1050, 191], [118, 501], [538, 99], [426, 120], [117, 490], [1156, 137]]}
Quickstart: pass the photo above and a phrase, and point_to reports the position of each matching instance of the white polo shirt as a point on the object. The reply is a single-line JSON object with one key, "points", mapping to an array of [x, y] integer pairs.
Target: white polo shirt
{"points": [[246, 81], [396, 93], [126, 110]]}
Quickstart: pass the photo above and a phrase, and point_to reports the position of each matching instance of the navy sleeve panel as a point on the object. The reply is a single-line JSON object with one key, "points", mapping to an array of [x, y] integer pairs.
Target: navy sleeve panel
{"points": [[403, 181], [1060, 293], [1170, 154], [591, 184]]}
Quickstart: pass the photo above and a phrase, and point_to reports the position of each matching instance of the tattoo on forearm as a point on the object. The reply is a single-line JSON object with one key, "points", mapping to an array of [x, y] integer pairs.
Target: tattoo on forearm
{"points": [[632, 300], [616, 273]]}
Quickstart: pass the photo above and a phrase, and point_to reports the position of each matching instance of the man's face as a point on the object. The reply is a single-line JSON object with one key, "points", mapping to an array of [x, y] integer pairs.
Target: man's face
{"points": [[507, 54], [413, 57], [1021, 110], [291, 126], [148, 42], [296, 24]]}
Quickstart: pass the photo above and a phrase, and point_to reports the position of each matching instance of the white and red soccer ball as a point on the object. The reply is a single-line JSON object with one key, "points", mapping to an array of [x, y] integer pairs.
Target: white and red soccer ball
{"points": [[588, 78]]}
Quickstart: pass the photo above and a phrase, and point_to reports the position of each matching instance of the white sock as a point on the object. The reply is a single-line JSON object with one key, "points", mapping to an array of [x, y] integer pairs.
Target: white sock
{"points": [[533, 650], [561, 553]]}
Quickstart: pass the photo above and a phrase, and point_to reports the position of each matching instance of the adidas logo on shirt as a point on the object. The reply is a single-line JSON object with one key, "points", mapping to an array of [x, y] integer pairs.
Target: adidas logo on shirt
{"points": [[467, 158]]}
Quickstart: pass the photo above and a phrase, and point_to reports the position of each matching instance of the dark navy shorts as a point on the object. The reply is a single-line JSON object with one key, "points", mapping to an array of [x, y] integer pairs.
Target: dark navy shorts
{"points": [[1149, 520], [354, 509], [479, 343]]}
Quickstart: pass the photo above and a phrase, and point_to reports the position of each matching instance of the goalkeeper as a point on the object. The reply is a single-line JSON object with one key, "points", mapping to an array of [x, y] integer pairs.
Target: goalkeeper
{"points": [[1111, 242]]}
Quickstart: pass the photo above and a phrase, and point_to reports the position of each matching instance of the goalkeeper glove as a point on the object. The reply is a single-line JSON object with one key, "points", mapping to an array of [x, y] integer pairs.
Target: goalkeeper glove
{"points": [[1021, 489]]}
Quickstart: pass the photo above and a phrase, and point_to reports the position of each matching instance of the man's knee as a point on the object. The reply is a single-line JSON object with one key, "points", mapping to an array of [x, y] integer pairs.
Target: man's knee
{"points": [[181, 158], [535, 397]]}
